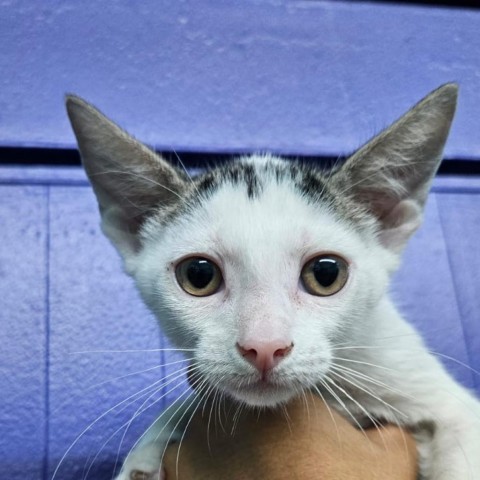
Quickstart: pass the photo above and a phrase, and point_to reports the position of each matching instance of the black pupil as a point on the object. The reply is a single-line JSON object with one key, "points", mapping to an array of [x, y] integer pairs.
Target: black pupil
{"points": [[200, 273], [326, 271]]}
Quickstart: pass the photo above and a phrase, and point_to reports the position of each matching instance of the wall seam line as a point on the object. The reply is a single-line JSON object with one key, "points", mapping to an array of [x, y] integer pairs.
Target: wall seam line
{"points": [[46, 460], [455, 288]]}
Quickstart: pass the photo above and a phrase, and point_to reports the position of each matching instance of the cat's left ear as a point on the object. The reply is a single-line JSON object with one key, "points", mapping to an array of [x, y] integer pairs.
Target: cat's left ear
{"points": [[392, 173]]}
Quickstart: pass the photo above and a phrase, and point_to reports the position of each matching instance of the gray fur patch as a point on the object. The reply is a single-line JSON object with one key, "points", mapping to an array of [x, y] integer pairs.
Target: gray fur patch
{"points": [[311, 182], [236, 173]]}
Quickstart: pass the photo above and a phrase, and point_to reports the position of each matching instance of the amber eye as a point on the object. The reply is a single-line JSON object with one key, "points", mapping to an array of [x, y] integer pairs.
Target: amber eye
{"points": [[198, 276], [325, 275]]}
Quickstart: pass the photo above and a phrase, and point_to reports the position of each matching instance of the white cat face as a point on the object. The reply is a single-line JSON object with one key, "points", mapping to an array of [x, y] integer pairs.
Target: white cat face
{"points": [[262, 227], [260, 246]]}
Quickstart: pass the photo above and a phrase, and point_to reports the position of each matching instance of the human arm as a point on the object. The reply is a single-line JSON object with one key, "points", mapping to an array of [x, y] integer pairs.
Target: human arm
{"points": [[315, 443]]}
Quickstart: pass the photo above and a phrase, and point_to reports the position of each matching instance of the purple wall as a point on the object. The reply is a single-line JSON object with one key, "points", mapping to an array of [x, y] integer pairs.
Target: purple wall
{"points": [[295, 76], [311, 77]]}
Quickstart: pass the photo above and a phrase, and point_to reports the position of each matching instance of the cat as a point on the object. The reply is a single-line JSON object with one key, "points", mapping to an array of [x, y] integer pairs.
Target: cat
{"points": [[264, 267]]}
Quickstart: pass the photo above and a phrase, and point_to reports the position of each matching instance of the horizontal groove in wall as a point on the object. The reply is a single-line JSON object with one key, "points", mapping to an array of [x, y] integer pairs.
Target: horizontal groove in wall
{"points": [[471, 4], [74, 176], [70, 157]]}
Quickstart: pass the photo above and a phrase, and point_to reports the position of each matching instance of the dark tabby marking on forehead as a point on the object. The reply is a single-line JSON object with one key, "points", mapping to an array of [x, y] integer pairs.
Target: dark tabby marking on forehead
{"points": [[236, 173], [314, 184], [310, 182], [204, 185]]}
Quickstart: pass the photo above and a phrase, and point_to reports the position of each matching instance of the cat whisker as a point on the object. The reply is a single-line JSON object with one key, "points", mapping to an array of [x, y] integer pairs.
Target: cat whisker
{"points": [[222, 411], [202, 387], [327, 175], [92, 424], [356, 402], [350, 372], [361, 362], [236, 417], [94, 386], [286, 416], [196, 382], [410, 350], [148, 350], [346, 377], [220, 407], [192, 381], [119, 429], [361, 407], [305, 403], [199, 384], [138, 372], [344, 407], [138, 176], [212, 414], [189, 394], [185, 170], [359, 375], [373, 381], [141, 410], [329, 412], [392, 409]]}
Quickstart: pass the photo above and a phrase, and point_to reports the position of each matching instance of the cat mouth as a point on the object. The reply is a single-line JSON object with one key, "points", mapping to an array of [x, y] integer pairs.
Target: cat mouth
{"points": [[265, 390], [262, 384], [260, 392]]}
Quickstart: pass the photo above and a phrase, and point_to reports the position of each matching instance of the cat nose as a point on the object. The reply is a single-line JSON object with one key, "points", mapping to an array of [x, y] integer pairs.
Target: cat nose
{"points": [[264, 355]]}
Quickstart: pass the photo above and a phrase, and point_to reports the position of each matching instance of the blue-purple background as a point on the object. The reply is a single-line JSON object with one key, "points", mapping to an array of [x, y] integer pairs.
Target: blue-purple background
{"points": [[302, 77]]}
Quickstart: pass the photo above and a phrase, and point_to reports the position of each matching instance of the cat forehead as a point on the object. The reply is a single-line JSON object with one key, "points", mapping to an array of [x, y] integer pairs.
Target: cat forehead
{"points": [[276, 219], [256, 172], [260, 202], [259, 177], [263, 204]]}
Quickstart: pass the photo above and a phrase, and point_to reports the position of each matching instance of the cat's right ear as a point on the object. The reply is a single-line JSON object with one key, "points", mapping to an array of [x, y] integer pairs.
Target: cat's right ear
{"points": [[129, 180]]}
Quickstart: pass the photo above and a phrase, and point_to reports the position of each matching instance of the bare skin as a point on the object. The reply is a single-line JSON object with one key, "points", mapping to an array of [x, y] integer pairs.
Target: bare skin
{"points": [[315, 443]]}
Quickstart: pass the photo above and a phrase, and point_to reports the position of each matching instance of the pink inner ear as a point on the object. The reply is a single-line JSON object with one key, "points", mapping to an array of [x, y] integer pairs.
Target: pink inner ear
{"points": [[399, 224]]}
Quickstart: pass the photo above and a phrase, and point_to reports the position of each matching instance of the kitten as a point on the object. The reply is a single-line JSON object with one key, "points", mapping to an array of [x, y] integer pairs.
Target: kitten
{"points": [[275, 274]]}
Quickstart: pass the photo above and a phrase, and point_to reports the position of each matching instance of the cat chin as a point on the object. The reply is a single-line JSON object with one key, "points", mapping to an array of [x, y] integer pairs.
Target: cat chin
{"points": [[267, 396]]}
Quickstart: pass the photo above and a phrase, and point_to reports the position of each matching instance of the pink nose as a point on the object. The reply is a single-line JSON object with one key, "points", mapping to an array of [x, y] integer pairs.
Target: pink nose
{"points": [[264, 355]]}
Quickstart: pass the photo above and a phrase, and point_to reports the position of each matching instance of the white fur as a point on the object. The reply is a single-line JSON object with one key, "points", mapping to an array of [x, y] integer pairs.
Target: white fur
{"points": [[261, 245]]}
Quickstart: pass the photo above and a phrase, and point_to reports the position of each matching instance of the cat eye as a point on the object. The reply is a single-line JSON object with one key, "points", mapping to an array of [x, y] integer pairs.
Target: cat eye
{"points": [[198, 276], [325, 275]]}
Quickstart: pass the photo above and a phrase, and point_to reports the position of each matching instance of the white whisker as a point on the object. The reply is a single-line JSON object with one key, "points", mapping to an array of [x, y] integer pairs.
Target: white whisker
{"points": [[96, 385], [141, 410], [92, 424], [135, 351], [185, 170], [202, 386], [330, 413], [372, 420], [141, 177], [345, 408]]}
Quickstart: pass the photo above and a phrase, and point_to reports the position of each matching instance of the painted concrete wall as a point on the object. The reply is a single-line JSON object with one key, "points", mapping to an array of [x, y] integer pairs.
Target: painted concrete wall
{"points": [[294, 76]]}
